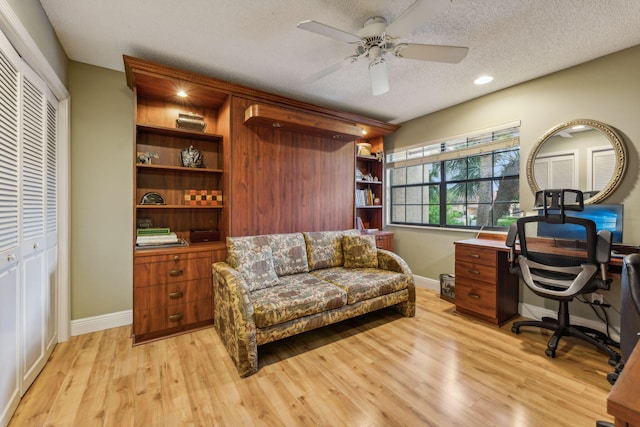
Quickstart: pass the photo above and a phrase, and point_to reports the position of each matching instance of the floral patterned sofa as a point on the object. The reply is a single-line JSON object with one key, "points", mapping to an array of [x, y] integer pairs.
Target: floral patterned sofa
{"points": [[278, 285]]}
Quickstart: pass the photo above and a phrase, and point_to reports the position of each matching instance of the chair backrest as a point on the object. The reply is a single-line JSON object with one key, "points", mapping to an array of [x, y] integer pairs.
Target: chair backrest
{"points": [[556, 267], [630, 305]]}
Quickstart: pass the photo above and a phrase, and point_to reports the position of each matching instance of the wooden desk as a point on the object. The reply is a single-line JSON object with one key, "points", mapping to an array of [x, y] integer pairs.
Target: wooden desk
{"points": [[623, 402], [485, 289]]}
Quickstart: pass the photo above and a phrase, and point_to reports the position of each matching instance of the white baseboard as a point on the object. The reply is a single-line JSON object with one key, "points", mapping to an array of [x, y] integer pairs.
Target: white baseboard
{"points": [[425, 282], [100, 323]]}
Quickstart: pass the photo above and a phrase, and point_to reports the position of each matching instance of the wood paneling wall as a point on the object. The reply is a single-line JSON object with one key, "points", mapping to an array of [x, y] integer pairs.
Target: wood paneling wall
{"points": [[283, 182]]}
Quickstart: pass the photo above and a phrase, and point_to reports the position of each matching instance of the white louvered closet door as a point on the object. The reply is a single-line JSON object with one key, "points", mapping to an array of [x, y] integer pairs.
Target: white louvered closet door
{"points": [[9, 233], [51, 226], [28, 227], [32, 228]]}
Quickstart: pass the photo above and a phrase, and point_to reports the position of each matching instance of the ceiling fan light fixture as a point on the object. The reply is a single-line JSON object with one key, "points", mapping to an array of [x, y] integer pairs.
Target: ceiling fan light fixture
{"points": [[483, 80], [379, 79]]}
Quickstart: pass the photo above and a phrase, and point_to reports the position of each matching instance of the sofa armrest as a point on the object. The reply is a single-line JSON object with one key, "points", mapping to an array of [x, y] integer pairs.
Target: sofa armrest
{"points": [[233, 317], [391, 261]]}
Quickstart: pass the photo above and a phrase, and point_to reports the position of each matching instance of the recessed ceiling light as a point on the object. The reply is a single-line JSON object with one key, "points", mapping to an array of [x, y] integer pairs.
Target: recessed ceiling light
{"points": [[182, 94], [483, 80]]}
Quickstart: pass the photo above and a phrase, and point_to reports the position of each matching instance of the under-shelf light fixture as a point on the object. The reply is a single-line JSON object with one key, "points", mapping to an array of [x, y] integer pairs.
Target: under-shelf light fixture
{"points": [[483, 80]]}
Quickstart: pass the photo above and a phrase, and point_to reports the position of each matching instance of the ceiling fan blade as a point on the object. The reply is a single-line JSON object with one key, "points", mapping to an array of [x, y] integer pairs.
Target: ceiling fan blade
{"points": [[427, 52], [325, 30], [324, 72], [416, 15], [379, 79]]}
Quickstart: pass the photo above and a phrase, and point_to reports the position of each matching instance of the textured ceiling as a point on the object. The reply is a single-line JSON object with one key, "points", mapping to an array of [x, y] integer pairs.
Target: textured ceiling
{"points": [[256, 43]]}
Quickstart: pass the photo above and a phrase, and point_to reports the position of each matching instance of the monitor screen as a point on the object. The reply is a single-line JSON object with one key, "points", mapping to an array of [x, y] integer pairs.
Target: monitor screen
{"points": [[606, 217]]}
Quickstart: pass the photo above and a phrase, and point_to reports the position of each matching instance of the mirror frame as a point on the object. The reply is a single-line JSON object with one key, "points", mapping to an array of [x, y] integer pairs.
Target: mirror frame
{"points": [[608, 132]]}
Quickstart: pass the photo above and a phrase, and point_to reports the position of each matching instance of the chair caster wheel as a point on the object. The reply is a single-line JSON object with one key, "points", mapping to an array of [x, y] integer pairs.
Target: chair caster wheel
{"points": [[550, 353], [613, 361], [515, 329]]}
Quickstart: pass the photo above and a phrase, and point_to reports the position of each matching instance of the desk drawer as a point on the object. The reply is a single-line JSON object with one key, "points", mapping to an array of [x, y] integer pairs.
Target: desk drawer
{"points": [[475, 271], [476, 255], [477, 297]]}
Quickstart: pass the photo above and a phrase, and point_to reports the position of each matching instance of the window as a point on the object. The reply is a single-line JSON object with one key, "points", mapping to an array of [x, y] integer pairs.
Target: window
{"points": [[472, 181]]}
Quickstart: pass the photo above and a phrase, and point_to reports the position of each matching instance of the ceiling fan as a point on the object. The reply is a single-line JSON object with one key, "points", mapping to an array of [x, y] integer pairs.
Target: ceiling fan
{"points": [[377, 39]]}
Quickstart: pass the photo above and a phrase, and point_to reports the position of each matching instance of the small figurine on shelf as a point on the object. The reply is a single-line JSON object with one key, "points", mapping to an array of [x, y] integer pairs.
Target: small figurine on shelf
{"points": [[191, 157], [145, 157], [379, 155]]}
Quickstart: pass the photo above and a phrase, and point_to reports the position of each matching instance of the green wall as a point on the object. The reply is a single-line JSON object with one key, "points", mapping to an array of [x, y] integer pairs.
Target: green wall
{"points": [[606, 89], [101, 191]]}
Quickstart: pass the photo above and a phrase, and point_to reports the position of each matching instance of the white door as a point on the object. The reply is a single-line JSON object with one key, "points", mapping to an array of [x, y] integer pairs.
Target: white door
{"points": [[51, 228], [9, 234], [32, 217]]}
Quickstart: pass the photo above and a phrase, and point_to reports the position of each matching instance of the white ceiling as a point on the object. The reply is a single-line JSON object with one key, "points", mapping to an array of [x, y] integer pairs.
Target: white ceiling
{"points": [[256, 43]]}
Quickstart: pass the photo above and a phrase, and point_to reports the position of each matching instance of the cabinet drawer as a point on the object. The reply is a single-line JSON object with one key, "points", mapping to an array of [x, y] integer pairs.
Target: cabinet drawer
{"points": [[156, 273], [476, 255], [475, 271], [172, 316], [149, 297], [385, 242], [475, 296]]}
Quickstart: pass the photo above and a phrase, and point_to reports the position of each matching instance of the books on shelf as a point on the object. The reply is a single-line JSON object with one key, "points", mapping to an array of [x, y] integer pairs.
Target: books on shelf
{"points": [[152, 231], [364, 197], [157, 238]]}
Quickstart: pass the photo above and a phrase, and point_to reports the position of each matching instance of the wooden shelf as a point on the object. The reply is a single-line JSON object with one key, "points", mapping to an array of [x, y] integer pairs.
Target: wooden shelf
{"points": [[178, 168], [296, 121], [176, 207], [182, 133], [360, 181]]}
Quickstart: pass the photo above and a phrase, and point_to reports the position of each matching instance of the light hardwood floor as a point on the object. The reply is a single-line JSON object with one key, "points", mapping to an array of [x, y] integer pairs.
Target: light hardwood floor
{"points": [[437, 369]]}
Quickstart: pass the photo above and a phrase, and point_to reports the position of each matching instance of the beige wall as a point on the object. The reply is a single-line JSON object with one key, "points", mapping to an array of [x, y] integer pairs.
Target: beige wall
{"points": [[34, 19], [607, 89], [101, 191]]}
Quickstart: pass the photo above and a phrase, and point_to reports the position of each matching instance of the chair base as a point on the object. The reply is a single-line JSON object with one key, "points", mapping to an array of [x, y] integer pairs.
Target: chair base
{"points": [[562, 328]]}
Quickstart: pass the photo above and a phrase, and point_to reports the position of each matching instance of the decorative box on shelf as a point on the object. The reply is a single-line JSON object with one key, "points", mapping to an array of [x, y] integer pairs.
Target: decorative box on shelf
{"points": [[203, 197]]}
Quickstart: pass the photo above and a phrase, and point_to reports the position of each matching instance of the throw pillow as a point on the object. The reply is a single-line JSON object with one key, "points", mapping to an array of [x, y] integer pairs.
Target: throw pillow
{"points": [[360, 251], [257, 268]]}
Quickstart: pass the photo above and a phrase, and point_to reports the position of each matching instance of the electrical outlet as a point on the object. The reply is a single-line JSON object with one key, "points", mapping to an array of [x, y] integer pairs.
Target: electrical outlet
{"points": [[596, 298]]}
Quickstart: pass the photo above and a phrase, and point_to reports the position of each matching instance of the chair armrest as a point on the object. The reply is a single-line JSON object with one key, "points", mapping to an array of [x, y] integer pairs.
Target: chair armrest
{"points": [[233, 317]]}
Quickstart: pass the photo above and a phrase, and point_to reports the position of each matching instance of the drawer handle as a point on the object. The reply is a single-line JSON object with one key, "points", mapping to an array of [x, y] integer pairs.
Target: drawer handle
{"points": [[474, 271], [176, 295], [174, 273], [473, 255], [176, 317], [474, 296]]}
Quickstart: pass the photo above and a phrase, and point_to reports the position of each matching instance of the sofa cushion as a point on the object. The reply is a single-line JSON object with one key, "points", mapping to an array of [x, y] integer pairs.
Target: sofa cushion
{"points": [[257, 268], [363, 283], [288, 251], [360, 251], [324, 248], [296, 296]]}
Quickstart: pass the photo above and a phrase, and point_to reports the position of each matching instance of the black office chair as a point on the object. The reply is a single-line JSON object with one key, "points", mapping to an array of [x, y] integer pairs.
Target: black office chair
{"points": [[567, 269], [629, 310]]}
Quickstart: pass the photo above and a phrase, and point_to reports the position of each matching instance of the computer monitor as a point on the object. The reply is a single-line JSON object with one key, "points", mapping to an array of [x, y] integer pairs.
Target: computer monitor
{"points": [[606, 217]]}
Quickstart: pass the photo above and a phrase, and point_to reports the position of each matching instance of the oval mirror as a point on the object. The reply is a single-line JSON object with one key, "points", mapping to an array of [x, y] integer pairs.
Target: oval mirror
{"points": [[580, 154]]}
